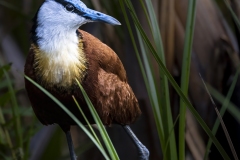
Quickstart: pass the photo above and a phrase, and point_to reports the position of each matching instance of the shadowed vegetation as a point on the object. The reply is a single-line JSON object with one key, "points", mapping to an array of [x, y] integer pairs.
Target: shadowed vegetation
{"points": [[164, 45]]}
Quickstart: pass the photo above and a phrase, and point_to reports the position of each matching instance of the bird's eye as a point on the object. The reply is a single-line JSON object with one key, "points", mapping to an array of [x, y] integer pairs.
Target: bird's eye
{"points": [[69, 7]]}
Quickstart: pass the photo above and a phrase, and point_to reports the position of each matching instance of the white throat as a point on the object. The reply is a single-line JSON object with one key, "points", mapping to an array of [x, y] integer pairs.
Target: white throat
{"points": [[55, 40], [60, 59], [56, 29]]}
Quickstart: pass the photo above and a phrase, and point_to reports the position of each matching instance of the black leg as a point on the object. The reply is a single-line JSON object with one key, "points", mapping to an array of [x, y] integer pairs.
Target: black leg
{"points": [[142, 150], [70, 145]]}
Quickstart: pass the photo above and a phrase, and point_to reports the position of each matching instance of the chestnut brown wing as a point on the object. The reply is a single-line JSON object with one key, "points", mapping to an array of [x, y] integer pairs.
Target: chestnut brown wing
{"points": [[112, 96]]}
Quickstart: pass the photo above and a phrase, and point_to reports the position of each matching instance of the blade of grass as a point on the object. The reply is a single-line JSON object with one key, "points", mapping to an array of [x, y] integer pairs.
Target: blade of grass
{"points": [[71, 115], [164, 90], [2, 137], [29, 133], [152, 92], [5, 134], [149, 82], [173, 82], [225, 105], [15, 111], [186, 61], [222, 122], [235, 18], [150, 77], [103, 132], [4, 98], [4, 84], [164, 100], [85, 118], [231, 108], [6, 68], [225, 102], [171, 132]]}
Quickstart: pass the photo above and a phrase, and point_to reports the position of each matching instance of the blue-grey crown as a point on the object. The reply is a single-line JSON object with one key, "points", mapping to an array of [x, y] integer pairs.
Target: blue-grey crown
{"points": [[81, 9]]}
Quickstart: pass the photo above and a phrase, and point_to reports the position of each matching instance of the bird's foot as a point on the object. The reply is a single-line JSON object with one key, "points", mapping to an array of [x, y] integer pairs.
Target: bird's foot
{"points": [[143, 152]]}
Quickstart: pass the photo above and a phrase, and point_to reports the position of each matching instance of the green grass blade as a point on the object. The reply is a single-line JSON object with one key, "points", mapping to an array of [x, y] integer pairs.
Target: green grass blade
{"points": [[171, 132], [186, 61], [103, 132], [234, 111], [5, 137], [4, 84], [71, 115], [2, 119], [226, 104], [152, 92], [28, 135], [149, 85], [222, 122], [4, 98], [8, 138], [164, 90], [164, 99], [4, 68], [4, 133], [231, 108], [235, 18], [175, 85], [15, 114], [85, 118]]}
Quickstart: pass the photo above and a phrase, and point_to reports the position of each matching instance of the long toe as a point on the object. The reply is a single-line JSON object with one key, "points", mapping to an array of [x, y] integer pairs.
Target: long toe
{"points": [[143, 153]]}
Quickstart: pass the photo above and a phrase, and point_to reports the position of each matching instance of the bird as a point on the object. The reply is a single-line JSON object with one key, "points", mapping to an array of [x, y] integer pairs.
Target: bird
{"points": [[60, 53]]}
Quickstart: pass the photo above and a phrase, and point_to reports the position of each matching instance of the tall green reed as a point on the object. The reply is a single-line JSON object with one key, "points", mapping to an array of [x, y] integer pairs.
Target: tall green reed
{"points": [[186, 60], [149, 47]]}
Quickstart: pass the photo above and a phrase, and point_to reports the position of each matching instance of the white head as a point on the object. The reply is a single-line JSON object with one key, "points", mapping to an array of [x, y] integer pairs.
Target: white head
{"points": [[67, 15], [59, 59]]}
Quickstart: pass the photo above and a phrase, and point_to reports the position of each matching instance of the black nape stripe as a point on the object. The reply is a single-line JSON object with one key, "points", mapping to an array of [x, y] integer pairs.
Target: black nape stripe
{"points": [[77, 11], [61, 1], [34, 38], [33, 32]]}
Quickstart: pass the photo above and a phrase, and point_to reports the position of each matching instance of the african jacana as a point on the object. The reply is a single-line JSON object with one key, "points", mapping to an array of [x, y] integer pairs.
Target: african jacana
{"points": [[60, 53]]}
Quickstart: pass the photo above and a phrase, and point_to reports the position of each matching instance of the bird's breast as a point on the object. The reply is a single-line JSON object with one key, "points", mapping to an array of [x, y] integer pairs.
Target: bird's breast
{"points": [[60, 67]]}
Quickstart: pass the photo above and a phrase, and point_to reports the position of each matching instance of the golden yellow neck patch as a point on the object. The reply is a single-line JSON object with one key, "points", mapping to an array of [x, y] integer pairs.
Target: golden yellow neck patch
{"points": [[62, 67]]}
